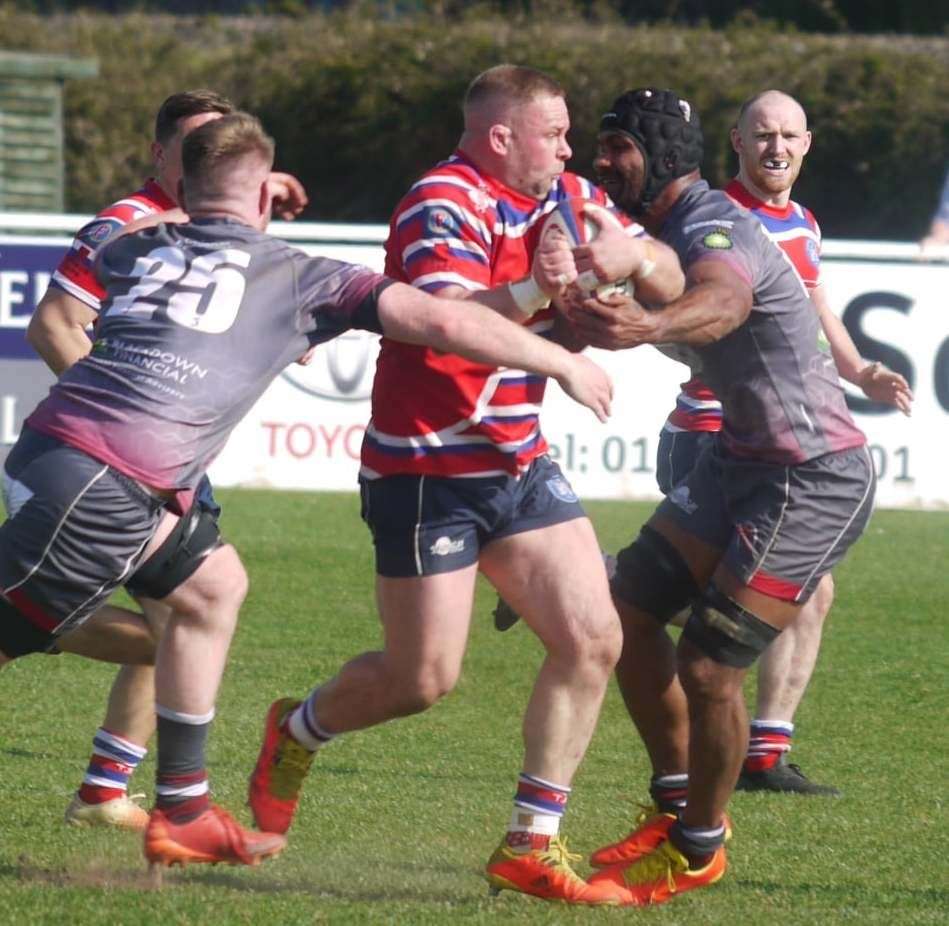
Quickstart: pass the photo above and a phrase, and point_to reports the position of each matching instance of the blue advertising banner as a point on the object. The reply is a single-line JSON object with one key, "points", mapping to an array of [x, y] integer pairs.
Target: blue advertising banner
{"points": [[306, 430], [26, 265], [25, 271]]}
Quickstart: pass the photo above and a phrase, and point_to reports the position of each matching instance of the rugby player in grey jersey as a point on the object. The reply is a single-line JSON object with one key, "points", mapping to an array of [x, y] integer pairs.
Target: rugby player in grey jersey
{"points": [[58, 332], [130, 429], [769, 508]]}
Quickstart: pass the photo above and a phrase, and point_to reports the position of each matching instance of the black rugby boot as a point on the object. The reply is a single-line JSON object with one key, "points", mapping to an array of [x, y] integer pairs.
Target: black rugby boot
{"points": [[783, 777]]}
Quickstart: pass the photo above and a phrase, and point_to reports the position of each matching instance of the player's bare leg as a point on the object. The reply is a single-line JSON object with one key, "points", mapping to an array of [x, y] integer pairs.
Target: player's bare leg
{"points": [[717, 715], [193, 649], [185, 827], [784, 672], [555, 578], [112, 635], [647, 672], [120, 743], [786, 666], [647, 669], [732, 625], [425, 623], [647, 677]]}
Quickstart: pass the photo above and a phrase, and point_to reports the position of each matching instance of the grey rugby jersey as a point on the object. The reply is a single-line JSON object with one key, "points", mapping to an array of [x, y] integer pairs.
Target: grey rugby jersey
{"points": [[781, 397], [196, 322]]}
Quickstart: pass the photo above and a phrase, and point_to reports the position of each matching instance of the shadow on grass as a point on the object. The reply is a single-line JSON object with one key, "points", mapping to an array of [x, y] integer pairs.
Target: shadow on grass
{"points": [[94, 875], [26, 754], [100, 876], [312, 885], [894, 895]]}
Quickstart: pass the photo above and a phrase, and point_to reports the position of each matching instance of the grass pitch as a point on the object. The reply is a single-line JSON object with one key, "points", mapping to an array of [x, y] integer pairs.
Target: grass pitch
{"points": [[396, 822]]}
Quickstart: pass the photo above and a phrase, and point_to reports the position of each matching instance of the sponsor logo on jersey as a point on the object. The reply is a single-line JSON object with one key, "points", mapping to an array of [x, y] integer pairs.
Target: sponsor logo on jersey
{"points": [[717, 240], [718, 223], [445, 546], [560, 488]]}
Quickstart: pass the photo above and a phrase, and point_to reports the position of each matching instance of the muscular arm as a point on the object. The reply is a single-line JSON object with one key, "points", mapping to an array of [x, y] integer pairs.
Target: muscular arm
{"points": [[877, 381], [57, 329], [715, 302], [480, 334]]}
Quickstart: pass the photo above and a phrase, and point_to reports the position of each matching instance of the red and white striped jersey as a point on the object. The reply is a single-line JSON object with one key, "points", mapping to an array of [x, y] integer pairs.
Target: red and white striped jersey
{"points": [[795, 230], [74, 273], [438, 414]]}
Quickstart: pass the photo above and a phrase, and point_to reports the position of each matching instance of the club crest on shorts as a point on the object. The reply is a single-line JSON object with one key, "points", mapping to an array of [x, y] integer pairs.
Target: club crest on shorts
{"points": [[445, 546], [560, 488]]}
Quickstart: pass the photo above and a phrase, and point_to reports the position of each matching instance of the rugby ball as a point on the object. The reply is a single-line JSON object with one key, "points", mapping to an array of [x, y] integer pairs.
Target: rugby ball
{"points": [[572, 218]]}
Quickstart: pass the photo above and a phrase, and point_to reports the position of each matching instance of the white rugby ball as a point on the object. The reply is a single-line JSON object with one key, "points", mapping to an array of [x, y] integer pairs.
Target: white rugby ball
{"points": [[571, 217]]}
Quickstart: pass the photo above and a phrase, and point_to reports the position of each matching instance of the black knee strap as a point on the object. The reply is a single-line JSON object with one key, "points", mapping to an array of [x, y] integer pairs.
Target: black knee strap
{"points": [[191, 541], [725, 631], [652, 575]]}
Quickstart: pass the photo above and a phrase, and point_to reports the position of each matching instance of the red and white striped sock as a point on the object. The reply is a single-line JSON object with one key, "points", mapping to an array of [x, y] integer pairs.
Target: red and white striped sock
{"points": [[767, 742], [113, 760]]}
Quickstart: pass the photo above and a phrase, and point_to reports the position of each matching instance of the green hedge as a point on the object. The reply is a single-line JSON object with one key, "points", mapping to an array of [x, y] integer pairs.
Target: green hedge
{"points": [[361, 104]]}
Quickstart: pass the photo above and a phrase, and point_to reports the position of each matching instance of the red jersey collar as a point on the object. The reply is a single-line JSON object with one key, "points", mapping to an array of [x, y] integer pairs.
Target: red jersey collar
{"points": [[739, 192], [496, 188], [157, 195]]}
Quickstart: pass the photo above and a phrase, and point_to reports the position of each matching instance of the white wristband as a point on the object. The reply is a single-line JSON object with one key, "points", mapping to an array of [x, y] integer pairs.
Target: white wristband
{"points": [[528, 296], [644, 269], [647, 264]]}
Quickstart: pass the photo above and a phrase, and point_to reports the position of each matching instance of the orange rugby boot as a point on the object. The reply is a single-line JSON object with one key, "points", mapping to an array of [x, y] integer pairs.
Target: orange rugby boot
{"points": [[282, 765], [213, 837], [544, 873], [652, 828], [658, 877]]}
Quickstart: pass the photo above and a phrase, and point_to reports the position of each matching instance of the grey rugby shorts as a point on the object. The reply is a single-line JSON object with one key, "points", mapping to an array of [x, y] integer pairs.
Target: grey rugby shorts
{"points": [[75, 530], [781, 527]]}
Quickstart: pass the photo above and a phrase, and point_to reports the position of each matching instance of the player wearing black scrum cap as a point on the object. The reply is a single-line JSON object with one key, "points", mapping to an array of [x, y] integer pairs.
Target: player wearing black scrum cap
{"points": [[770, 507]]}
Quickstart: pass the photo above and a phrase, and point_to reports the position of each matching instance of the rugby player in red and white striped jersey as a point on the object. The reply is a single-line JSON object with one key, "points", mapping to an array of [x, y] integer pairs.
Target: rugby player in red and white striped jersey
{"points": [[123, 434], [455, 477]]}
